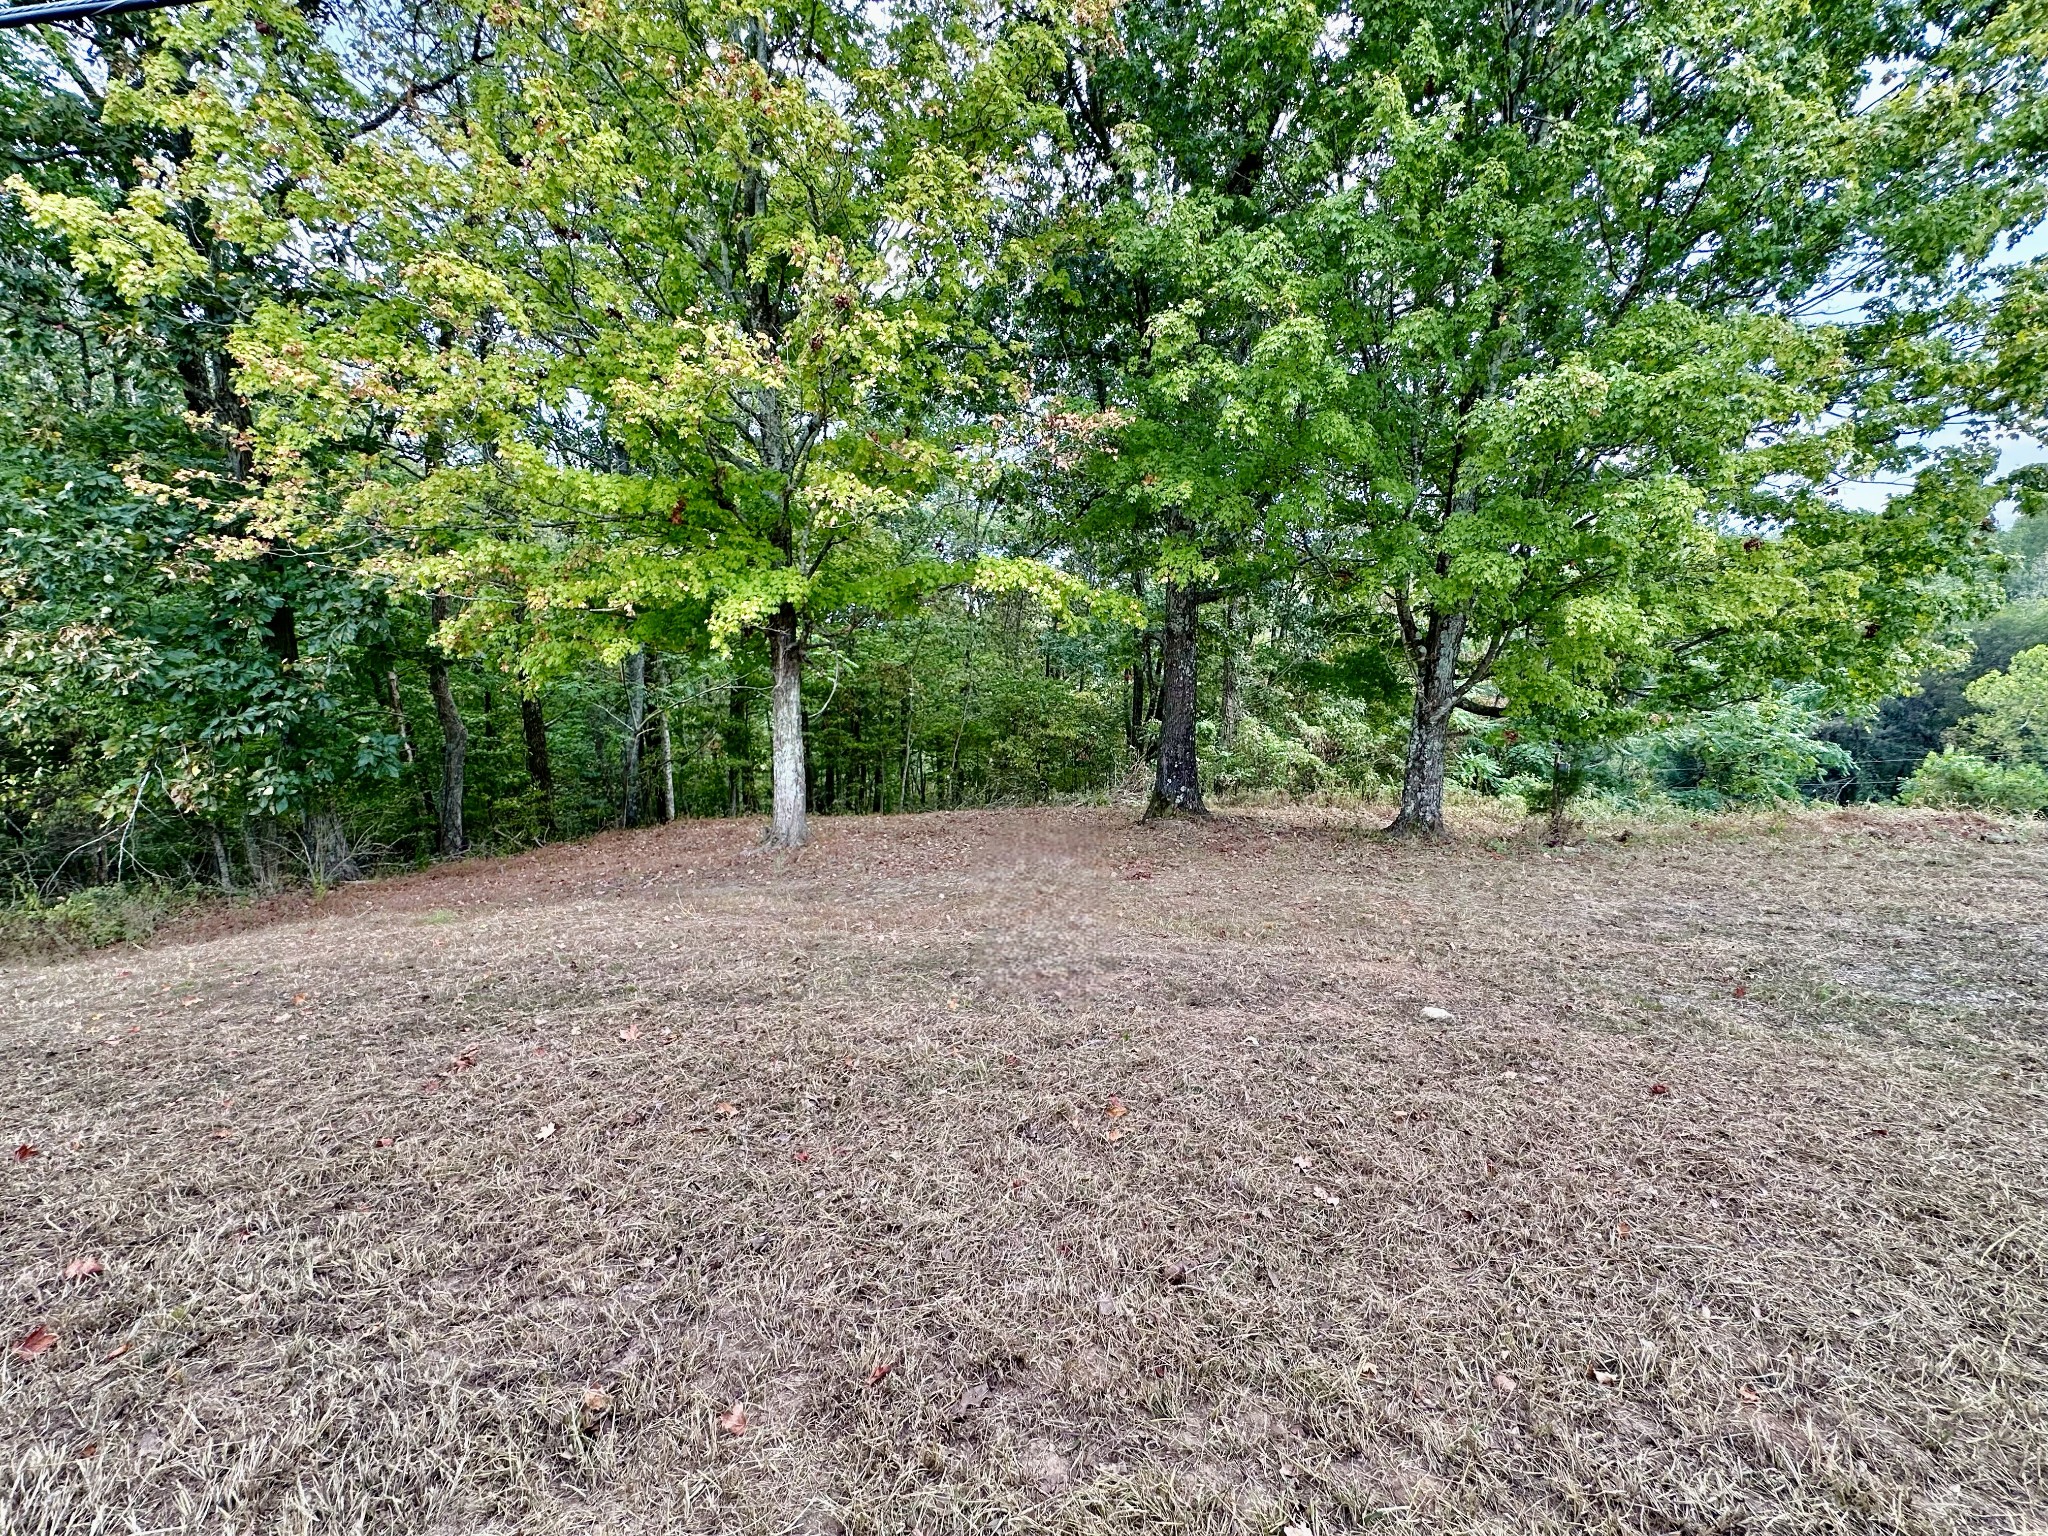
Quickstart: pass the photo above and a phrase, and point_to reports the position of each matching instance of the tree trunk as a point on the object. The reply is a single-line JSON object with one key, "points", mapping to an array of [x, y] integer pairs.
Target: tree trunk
{"points": [[636, 726], [327, 849], [223, 871], [664, 745], [448, 838], [738, 747], [1177, 790], [1231, 706], [1429, 730], [786, 729], [256, 854], [534, 726]]}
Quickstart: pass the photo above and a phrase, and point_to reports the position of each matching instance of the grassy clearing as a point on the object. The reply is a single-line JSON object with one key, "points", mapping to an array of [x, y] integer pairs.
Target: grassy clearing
{"points": [[1028, 1171]]}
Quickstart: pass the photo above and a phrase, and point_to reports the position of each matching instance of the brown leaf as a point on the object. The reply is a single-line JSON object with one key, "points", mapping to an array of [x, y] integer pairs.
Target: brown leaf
{"points": [[1115, 1109], [1505, 1384], [35, 1342], [630, 1032], [118, 1350], [383, 1141], [596, 1404], [82, 1266], [1658, 1090], [882, 1368], [26, 1151], [463, 1062], [735, 1422], [726, 1107]]}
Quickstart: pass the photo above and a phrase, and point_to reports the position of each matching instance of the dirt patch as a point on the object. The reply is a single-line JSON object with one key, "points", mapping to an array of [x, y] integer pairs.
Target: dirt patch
{"points": [[1034, 1171]]}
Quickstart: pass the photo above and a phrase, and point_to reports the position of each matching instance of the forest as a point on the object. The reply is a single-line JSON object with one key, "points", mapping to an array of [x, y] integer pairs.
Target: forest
{"points": [[435, 427]]}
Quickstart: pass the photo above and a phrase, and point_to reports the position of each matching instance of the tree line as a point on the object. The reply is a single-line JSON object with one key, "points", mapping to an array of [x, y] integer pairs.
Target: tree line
{"points": [[439, 422]]}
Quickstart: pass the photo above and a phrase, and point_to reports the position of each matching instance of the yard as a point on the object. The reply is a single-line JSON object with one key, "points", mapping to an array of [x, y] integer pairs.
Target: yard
{"points": [[1031, 1171]]}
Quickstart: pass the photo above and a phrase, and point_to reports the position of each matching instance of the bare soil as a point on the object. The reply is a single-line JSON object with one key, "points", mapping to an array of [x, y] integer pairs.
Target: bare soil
{"points": [[1035, 1172]]}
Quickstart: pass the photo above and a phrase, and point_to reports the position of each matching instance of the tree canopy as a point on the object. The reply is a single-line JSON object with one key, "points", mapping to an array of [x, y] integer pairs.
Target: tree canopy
{"points": [[1194, 388]]}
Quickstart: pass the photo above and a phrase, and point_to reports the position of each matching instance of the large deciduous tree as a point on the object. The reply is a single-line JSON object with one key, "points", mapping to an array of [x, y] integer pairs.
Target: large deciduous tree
{"points": [[1584, 268]]}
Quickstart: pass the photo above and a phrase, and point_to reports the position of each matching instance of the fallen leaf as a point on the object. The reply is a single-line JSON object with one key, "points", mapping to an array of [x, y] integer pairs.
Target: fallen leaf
{"points": [[803, 1156], [735, 1422], [1115, 1109], [726, 1107], [882, 1368], [298, 997], [431, 1085], [630, 1032], [1505, 1384], [1742, 991], [118, 1350], [545, 1132], [1114, 1133], [26, 1151], [596, 1404], [1658, 1090], [35, 1342], [383, 1141], [79, 1268], [223, 1133], [1601, 1378], [1012, 1059], [463, 1062]]}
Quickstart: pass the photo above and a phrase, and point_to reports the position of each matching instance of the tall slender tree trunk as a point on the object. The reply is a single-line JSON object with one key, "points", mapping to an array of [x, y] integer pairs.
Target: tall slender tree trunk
{"points": [[636, 727], [533, 725], [664, 745], [1429, 729], [1177, 789], [786, 729], [1231, 706], [448, 836], [405, 743], [327, 849], [738, 748], [952, 786], [256, 854], [223, 871]]}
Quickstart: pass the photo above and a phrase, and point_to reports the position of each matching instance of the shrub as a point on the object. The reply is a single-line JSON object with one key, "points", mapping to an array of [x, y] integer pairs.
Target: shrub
{"points": [[1956, 778]]}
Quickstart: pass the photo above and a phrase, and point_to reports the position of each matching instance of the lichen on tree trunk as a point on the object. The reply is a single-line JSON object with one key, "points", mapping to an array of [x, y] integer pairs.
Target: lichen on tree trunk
{"points": [[787, 828]]}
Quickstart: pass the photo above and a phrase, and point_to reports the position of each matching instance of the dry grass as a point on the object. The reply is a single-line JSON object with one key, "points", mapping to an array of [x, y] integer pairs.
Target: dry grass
{"points": [[1337, 1266]]}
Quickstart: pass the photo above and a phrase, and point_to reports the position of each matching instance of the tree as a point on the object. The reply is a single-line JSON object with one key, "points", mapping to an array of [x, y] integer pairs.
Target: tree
{"points": [[1571, 263], [1151, 302]]}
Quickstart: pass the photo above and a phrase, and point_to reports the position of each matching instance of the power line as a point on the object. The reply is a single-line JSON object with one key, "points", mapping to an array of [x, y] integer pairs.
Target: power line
{"points": [[77, 10]]}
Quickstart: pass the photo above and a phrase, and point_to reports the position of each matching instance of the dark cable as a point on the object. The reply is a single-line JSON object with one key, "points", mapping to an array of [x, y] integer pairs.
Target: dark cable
{"points": [[77, 10]]}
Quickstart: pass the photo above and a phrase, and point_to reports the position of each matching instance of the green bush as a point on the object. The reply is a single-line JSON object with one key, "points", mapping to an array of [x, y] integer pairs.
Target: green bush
{"points": [[1953, 777], [88, 919]]}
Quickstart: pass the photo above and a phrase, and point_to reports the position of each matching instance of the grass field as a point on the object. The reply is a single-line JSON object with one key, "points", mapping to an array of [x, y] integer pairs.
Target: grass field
{"points": [[1034, 1172]]}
